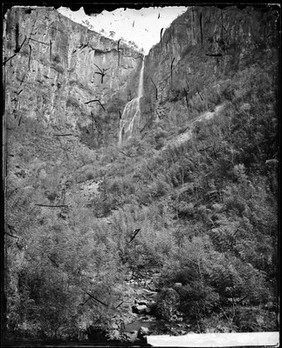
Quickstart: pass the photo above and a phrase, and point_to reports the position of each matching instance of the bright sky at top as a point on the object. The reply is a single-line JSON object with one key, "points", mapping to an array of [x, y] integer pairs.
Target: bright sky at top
{"points": [[139, 26]]}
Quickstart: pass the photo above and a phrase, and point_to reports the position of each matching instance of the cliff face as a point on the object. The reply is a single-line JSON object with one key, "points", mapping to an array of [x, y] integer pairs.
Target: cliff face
{"points": [[203, 48], [62, 74]]}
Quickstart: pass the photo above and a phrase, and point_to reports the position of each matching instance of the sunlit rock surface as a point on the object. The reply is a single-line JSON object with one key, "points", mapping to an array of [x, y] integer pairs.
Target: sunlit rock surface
{"points": [[65, 74], [201, 49]]}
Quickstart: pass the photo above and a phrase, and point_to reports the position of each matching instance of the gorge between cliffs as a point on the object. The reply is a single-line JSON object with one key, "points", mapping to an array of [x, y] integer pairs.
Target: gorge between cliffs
{"points": [[140, 191]]}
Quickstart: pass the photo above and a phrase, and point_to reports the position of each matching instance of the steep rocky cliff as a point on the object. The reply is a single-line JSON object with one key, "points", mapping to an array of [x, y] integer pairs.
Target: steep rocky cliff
{"points": [[60, 73], [67, 75], [187, 71]]}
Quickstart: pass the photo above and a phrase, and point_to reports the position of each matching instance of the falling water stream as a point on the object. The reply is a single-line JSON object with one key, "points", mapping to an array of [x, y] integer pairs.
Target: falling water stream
{"points": [[130, 117]]}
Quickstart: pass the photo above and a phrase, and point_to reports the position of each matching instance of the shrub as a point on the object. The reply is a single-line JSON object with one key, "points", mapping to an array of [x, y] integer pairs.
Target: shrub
{"points": [[71, 101], [56, 58], [58, 68], [115, 105], [86, 172], [254, 319], [167, 303], [52, 196], [90, 176], [197, 299], [176, 94], [159, 188]]}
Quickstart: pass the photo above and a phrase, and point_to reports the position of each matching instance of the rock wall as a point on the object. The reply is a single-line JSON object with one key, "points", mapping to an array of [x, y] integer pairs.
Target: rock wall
{"points": [[66, 75], [55, 67], [200, 50]]}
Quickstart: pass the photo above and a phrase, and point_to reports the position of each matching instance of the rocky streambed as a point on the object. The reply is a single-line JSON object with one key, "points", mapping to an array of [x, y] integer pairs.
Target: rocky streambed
{"points": [[143, 318]]}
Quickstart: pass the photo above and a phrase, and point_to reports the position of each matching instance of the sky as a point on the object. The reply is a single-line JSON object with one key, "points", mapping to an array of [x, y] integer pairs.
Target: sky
{"points": [[139, 26]]}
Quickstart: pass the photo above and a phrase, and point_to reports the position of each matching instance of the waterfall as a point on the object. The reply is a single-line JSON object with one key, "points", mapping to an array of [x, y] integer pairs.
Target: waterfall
{"points": [[130, 117], [141, 80]]}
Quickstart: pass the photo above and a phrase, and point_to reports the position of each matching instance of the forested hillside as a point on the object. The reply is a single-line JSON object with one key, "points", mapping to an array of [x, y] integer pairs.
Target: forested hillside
{"points": [[188, 201]]}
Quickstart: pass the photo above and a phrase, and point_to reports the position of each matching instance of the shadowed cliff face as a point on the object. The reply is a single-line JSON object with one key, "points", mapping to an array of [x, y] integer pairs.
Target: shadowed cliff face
{"points": [[61, 66], [201, 50]]}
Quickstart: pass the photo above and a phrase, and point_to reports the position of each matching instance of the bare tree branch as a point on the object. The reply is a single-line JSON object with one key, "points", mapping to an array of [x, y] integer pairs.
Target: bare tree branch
{"points": [[186, 97], [54, 262], [6, 60], [171, 66], [125, 154], [156, 88], [201, 28], [88, 293], [11, 235], [135, 234], [101, 72], [95, 100], [214, 54], [29, 57], [50, 50], [119, 305], [41, 42], [20, 120], [83, 303], [199, 94], [118, 51], [17, 50], [52, 206], [161, 36], [62, 135]]}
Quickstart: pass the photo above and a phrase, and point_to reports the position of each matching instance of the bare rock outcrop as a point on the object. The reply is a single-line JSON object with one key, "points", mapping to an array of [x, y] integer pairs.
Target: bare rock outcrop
{"points": [[61, 73]]}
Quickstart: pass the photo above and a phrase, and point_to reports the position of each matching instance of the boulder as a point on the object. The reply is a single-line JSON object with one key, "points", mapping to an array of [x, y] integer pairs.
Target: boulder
{"points": [[148, 310], [142, 332], [140, 309], [131, 336], [177, 285], [114, 334]]}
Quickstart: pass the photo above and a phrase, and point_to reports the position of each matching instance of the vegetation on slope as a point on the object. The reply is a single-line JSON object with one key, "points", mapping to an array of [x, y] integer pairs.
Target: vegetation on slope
{"points": [[206, 210]]}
